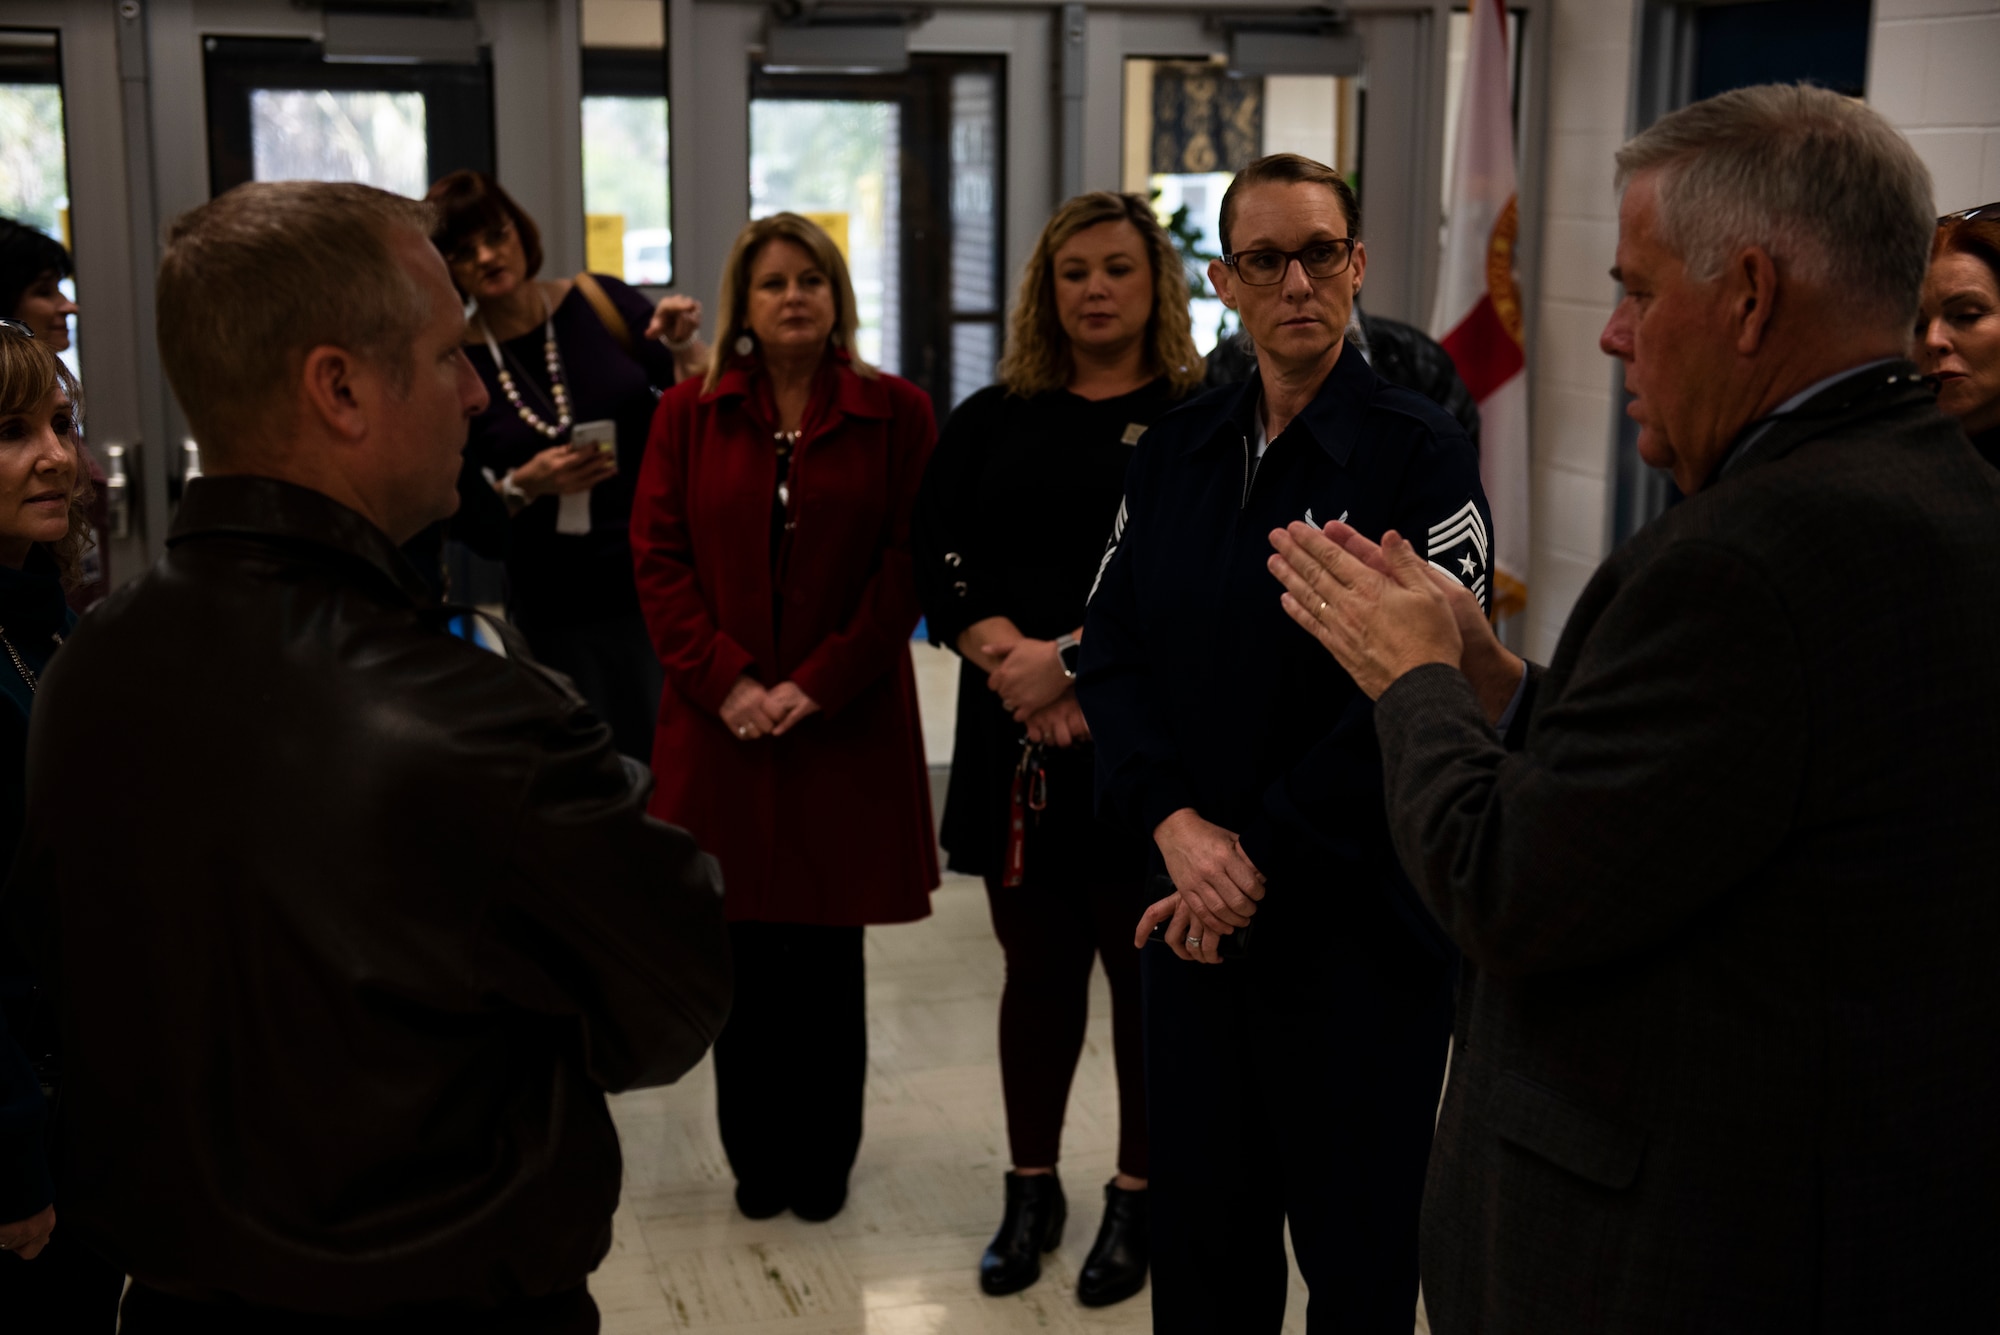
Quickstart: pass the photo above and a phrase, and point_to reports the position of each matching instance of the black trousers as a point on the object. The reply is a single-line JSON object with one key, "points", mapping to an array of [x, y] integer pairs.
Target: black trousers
{"points": [[791, 1061], [1051, 927], [614, 667], [1297, 1085], [66, 1290], [151, 1312]]}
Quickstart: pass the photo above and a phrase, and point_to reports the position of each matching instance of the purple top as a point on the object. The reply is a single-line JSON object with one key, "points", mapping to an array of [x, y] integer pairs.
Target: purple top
{"points": [[556, 577]]}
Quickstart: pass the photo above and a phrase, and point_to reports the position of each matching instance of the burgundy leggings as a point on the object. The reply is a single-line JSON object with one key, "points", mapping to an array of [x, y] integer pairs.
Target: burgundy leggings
{"points": [[1050, 930]]}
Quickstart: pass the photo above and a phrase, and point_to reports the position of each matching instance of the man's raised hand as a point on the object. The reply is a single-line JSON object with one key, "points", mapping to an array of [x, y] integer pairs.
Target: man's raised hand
{"points": [[1379, 613]]}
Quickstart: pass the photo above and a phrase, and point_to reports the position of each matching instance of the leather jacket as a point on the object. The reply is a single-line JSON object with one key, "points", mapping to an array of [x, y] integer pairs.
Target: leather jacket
{"points": [[354, 937]]}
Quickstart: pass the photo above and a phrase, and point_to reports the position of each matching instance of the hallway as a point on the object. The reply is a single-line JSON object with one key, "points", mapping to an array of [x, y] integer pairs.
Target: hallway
{"points": [[901, 1259]]}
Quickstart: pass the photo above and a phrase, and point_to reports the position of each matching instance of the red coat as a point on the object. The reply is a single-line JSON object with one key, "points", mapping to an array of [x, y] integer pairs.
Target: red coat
{"points": [[831, 823]]}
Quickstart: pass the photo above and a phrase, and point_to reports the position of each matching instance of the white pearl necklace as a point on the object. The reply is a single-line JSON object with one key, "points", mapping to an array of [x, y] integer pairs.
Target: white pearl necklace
{"points": [[560, 427]]}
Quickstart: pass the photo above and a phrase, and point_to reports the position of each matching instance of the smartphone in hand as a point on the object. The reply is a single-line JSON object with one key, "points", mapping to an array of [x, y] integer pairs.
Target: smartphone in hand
{"points": [[601, 436]]}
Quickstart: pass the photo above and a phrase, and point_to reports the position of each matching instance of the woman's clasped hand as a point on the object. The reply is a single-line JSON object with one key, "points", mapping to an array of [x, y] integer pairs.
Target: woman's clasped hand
{"points": [[1028, 677], [750, 711]]}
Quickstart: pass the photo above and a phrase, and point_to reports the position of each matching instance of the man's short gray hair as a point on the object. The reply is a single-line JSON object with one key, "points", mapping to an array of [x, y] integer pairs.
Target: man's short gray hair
{"points": [[1836, 196]]}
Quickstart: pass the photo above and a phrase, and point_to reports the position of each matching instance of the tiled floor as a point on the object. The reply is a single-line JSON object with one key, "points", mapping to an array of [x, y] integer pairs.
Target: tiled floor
{"points": [[901, 1259]]}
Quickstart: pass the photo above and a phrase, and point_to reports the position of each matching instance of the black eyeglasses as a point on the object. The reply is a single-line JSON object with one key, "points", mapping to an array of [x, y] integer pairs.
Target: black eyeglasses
{"points": [[1967, 215], [16, 327], [1263, 268]]}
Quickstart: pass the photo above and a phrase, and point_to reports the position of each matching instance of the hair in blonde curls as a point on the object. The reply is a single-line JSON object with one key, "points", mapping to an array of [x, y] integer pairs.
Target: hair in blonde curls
{"points": [[1038, 356], [29, 371], [734, 298]]}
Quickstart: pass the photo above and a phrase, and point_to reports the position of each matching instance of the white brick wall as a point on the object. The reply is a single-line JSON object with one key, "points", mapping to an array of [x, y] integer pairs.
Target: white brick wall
{"points": [[1572, 381], [1934, 71]]}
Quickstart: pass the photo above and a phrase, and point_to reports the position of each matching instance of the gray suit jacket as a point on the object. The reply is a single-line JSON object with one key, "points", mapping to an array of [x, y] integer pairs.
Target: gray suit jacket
{"points": [[1728, 1048]]}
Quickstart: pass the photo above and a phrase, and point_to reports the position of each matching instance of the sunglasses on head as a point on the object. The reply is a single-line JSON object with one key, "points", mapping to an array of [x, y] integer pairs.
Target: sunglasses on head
{"points": [[16, 327], [1967, 215]]}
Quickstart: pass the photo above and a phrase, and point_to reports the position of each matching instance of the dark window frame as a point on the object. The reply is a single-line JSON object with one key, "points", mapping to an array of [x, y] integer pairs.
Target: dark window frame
{"points": [[458, 100], [923, 93]]}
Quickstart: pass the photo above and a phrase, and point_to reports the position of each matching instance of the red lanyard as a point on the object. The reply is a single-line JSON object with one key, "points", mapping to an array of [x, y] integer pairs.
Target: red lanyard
{"points": [[1030, 792]]}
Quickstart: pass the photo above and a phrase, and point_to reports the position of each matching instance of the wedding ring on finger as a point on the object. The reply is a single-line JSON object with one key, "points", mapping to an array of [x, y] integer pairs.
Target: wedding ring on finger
{"points": [[1194, 943]]}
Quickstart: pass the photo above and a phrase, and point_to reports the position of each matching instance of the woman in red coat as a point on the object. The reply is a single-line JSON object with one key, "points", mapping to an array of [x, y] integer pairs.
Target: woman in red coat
{"points": [[771, 539]]}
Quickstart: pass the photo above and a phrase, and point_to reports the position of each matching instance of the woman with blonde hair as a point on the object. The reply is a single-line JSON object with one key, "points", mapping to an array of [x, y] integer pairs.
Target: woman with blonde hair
{"points": [[48, 1281], [771, 541], [1010, 528]]}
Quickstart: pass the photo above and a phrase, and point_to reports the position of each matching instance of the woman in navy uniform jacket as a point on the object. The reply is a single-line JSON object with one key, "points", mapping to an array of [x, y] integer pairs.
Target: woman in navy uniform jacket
{"points": [[1298, 1082]]}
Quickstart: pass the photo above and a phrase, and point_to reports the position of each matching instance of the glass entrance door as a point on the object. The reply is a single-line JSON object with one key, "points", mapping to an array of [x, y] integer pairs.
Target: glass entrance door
{"points": [[903, 171], [839, 163]]}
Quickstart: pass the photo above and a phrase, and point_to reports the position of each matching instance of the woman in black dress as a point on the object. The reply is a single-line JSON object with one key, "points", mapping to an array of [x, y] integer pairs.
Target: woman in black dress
{"points": [[562, 359], [1011, 524]]}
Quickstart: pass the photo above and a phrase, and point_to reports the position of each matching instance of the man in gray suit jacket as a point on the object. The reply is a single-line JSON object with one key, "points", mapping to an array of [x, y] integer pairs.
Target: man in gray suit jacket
{"points": [[1727, 878]]}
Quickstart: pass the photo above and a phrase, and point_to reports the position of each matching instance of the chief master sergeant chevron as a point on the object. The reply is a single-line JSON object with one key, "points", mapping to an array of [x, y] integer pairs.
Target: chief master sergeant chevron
{"points": [[1298, 1080]]}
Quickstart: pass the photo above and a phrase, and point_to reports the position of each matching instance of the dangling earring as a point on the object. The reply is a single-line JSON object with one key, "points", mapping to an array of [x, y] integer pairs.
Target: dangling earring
{"points": [[745, 345], [834, 338]]}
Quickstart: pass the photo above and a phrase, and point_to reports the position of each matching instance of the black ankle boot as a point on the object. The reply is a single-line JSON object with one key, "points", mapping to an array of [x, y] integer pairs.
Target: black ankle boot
{"points": [[818, 1204], [758, 1201], [1116, 1266], [1033, 1225]]}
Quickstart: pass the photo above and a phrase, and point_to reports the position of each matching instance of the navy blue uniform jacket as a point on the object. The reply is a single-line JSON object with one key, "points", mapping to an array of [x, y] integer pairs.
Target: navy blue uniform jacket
{"points": [[1201, 692]]}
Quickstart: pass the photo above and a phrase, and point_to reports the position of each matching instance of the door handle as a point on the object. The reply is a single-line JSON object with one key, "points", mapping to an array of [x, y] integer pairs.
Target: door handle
{"points": [[118, 489]]}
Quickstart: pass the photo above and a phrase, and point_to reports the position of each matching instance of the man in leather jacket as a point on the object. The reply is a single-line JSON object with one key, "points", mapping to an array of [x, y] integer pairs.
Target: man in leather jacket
{"points": [[354, 938]]}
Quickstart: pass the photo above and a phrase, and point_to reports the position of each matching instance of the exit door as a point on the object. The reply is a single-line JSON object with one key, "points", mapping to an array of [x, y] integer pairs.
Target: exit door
{"points": [[904, 171]]}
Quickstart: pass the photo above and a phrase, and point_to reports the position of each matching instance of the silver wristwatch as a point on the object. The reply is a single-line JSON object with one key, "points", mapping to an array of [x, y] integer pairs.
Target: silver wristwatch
{"points": [[510, 492], [1068, 649]]}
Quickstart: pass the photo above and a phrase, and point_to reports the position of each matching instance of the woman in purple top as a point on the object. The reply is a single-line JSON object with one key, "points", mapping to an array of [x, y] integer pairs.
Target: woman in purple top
{"points": [[573, 368]]}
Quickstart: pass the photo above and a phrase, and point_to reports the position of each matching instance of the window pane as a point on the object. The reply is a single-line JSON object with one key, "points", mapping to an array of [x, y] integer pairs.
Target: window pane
{"points": [[1199, 234], [318, 134], [839, 159], [34, 170], [625, 178], [975, 226], [974, 353], [34, 184]]}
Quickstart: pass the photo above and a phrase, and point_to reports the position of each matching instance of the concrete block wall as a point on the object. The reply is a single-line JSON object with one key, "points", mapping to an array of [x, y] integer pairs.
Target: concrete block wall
{"points": [[1934, 71], [1572, 382]]}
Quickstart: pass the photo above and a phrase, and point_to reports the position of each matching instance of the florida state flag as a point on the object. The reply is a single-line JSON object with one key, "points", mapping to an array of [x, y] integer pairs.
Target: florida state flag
{"points": [[1478, 315]]}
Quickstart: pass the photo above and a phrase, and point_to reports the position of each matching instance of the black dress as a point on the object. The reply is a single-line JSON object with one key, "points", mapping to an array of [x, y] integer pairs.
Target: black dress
{"points": [[1013, 520], [573, 596]]}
